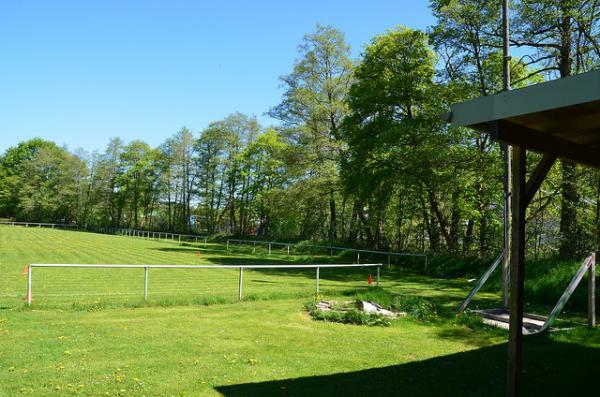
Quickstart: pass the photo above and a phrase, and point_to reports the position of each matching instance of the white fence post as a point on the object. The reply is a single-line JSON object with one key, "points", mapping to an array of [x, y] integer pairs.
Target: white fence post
{"points": [[241, 283], [318, 280], [269, 248], [146, 284], [357, 257], [29, 286]]}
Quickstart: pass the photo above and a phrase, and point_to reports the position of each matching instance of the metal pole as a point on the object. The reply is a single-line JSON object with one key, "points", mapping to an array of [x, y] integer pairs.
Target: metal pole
{"points": [[378, 275], [240, 288], [269, 248], [288, 249], [592, 293], [254, 249], [146, 284], [318, 280], [357, 257], [507, 157], [505, 46], [29, 286]]}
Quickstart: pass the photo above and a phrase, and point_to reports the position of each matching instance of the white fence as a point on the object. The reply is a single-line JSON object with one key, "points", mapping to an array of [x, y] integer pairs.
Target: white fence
{"points": [[47, 225], [159, 235], [287, 246], [241, 268], [179, 237]]}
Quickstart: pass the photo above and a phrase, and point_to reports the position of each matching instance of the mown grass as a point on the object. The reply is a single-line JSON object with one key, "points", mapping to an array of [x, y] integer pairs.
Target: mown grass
{"points": [[194, 339]]}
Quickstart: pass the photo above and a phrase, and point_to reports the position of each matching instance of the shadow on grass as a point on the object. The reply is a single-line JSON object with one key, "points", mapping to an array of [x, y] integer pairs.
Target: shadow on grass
{"points": [[551, 369]]}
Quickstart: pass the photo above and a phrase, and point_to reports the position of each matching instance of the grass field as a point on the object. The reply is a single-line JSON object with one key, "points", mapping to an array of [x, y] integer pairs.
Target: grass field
{"points": [[90, 333]]}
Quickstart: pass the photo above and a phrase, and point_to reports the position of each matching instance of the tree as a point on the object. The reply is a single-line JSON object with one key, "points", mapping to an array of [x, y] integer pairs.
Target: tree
{"points": [[313, 105], [394, 134], [562, 39]]}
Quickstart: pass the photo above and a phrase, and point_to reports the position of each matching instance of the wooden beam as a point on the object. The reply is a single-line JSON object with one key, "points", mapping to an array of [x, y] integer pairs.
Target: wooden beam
{"points": [[592, 293], [514, 134], [538, 176], [517, 270]]}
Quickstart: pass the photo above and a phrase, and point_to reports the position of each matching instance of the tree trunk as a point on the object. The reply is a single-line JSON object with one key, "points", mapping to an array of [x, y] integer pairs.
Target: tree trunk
{"points": [[332, 218]]}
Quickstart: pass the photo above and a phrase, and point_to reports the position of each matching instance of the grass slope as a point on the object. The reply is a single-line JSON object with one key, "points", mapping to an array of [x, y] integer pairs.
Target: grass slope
{"points": [[100, 346]]}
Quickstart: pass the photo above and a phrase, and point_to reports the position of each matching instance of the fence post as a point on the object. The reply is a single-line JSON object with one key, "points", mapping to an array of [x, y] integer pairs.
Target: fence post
{"points": [[254, 249], [269, 248], [288, 247], [389, 261], [318, 280], [227, 249], [378, 275], [205, 242], [357, 257], [592, 292], [179, 239], [29, 286], [241, 283], [146, 284]]}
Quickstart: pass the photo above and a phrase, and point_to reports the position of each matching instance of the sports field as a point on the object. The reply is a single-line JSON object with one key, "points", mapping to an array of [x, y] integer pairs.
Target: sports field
{"points": [[90, 333]]}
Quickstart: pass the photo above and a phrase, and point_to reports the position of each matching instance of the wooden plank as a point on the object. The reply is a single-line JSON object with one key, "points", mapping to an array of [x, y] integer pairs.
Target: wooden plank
{"points": [[538, 176], [517, 267], [514, 134]]}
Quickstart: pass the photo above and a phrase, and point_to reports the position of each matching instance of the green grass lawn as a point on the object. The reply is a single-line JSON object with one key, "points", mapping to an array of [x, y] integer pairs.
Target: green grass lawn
{"points": [[89, 332]]}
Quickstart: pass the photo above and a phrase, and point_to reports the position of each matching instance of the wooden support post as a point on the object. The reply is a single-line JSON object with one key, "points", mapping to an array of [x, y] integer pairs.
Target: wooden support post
{"points": [[592, 292], [517, 267], [507, 153]]}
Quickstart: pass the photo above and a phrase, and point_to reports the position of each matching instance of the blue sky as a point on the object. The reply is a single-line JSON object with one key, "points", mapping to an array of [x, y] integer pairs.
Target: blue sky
{"points": [[81, 72]]}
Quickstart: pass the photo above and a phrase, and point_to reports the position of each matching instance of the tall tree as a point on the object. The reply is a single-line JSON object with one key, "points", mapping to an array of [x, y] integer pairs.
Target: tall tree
{"points": [[562, 39], [313, 105]]}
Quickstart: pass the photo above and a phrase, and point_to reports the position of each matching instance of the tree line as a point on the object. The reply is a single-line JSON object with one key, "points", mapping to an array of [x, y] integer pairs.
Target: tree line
{"points": [[360, 155]]}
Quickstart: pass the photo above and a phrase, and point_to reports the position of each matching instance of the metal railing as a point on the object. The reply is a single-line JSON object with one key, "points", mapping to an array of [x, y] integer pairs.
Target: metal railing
{"points": [[271, 244], [241, 268], [110, 230], [490, 270], [38, 224], [160, 235]]}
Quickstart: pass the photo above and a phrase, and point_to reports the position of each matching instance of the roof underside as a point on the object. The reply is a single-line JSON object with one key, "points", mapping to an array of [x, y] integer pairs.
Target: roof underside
{"points": [[559, 117]]}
